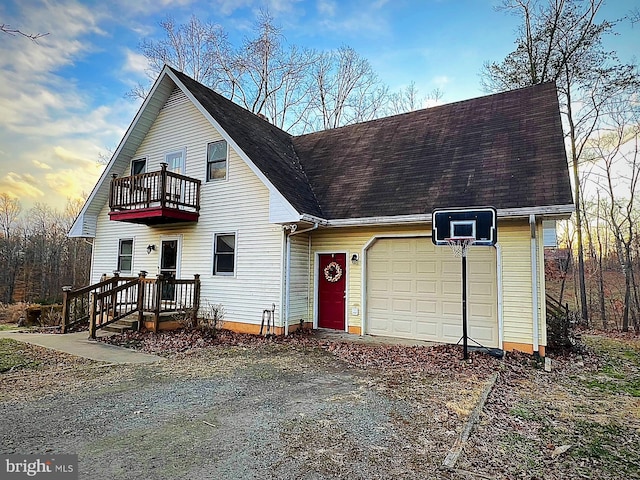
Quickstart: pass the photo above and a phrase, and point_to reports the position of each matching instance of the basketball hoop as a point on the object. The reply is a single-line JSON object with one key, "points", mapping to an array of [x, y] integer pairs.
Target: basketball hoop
{"points": [[459, 245]]}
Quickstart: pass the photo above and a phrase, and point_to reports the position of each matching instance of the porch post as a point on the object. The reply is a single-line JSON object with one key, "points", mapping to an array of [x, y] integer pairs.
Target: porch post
{"points": [[114, 296], [196, 298], [141, 287], [92, 315], [65, 309], [163, 184], [158, 300]]}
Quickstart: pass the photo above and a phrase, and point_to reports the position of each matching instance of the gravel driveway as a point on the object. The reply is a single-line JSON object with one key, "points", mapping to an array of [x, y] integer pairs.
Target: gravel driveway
{"points": [[236, 413]]}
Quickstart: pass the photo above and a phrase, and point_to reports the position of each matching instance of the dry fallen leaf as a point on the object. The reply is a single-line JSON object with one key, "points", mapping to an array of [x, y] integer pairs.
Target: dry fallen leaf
{"points": [[560, 450]]}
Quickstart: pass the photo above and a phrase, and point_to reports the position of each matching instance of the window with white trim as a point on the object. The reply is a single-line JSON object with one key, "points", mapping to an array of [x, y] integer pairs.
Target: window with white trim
{"points": [[224, 254], [138, 166], [125, 255], [217, 160]]}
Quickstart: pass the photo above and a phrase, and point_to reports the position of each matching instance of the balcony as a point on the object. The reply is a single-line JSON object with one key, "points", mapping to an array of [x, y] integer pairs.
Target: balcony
{"points": [[154, 198]]}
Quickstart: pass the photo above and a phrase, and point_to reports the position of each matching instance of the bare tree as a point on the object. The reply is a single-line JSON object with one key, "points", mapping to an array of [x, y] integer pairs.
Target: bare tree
{"points": [[346, 90], [617, 145], [269, 77], [561, 41], [9, 245], [409, 99], [195, 48]]}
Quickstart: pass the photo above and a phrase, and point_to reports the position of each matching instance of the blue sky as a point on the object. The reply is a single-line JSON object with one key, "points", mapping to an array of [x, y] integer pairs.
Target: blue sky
{"points": [[62, 100]]}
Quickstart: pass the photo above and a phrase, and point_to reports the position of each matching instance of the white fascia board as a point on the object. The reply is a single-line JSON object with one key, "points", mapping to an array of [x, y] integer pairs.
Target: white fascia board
{"points": [[554, 211], [272, 189], [78, 227]]}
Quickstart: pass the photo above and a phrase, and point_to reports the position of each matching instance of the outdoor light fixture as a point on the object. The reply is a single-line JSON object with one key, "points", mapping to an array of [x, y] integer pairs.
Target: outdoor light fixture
{"points": [[354, 258], [150, 248]]}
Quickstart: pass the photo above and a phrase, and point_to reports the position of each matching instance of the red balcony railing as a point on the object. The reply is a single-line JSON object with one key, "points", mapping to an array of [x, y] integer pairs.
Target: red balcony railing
{"points": [[154, 198]]}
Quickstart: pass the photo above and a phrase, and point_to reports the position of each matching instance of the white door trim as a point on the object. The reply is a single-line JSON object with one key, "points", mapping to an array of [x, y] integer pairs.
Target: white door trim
{"points": [[316, 284], [165, 238]]}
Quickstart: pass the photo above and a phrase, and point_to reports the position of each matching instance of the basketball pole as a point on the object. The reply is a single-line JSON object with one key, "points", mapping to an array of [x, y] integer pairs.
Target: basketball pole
{"points": [[464, 306]]}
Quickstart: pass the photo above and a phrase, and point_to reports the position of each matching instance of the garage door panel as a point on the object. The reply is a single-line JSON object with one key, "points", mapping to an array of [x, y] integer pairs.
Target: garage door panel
{"points": [[452, 288], [426, 287], [452, 331], [452, 268], [402, 286], [414, 291], [401, 305], [483, 335], [480, 290], [398, 268], [426, 329], [402, 327], [380, 285], [426, 267], [427, 307]]}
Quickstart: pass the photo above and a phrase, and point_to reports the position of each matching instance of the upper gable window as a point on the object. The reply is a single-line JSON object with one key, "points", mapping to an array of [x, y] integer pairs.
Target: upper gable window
{"points": [[175, 161], [138, 166], [217, 160]]}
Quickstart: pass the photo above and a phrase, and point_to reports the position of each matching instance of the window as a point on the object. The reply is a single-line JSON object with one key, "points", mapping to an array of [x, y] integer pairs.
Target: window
{"points": [[224, 254], [217, 160], [138, 166], [175, 161], [125, 256]]}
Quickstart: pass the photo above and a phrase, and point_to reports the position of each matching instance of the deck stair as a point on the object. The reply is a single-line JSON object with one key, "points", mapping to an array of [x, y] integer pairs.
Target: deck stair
{"points": [[123, 325]]}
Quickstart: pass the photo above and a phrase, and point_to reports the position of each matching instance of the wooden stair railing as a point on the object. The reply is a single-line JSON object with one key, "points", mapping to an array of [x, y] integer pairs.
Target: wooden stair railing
{"points": [[117, 297]]}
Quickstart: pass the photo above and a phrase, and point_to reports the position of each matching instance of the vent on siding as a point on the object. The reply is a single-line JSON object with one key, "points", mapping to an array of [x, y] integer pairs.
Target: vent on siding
{"points": [[176, 98]]}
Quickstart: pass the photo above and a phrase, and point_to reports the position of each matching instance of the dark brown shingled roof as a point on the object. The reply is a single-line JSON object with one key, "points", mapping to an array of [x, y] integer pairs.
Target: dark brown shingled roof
{"points": [[268, 147], [505, 150]]}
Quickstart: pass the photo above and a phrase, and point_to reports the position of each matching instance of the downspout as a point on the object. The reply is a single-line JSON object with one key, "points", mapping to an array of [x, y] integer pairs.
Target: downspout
{"points": [[498, 248], [294, 231], [534, 283]]}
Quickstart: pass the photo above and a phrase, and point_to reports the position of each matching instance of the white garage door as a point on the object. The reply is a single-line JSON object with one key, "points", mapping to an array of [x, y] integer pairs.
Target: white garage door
{"points": [[414, 290]]}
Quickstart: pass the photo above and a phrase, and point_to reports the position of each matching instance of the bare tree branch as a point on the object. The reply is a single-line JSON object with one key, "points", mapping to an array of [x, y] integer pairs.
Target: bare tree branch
{"points": [[6, 28]]}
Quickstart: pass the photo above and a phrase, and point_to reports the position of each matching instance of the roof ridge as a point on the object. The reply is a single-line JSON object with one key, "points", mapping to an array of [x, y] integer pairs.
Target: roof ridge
{"points": [[428, 109]]}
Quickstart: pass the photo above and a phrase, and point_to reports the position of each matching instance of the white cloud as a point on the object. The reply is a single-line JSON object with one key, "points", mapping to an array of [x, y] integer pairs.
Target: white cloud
{"points": [[135, 63], [326, 7], [441, 81], [49, 124], [21, 186], [41, 165]]}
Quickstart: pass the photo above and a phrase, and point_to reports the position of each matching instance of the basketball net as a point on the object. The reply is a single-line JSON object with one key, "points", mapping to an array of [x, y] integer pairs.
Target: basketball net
{"points": [[459, 245]]}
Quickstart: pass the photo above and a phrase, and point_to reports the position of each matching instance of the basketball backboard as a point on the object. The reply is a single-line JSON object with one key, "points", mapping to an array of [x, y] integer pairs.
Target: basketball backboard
{"points": [[452, 223]]}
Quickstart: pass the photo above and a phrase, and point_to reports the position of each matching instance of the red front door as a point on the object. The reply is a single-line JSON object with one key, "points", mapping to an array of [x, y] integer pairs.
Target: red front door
{"points": [[332, 290]]}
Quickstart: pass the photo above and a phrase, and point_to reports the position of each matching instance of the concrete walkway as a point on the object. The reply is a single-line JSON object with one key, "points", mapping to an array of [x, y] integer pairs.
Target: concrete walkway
{"points": [[78, 344]]}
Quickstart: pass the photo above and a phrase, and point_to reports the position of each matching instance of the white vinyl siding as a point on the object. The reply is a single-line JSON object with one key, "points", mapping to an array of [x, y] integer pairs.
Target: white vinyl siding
{"points": [[239, 205], [300, 279]]}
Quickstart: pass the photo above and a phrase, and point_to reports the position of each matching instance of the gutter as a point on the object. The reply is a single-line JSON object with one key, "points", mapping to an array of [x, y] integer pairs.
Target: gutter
{"points": [[294, 231], [498, 248], [553, 211], [534, 284]]}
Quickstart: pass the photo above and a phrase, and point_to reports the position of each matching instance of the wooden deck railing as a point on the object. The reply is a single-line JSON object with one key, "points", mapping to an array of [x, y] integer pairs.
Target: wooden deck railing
{"points": [[555, 308], [112, 299], [164, 189]]}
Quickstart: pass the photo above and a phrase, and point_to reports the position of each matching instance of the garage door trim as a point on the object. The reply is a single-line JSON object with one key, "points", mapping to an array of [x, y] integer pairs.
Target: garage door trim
{"points": [[365, 249], [364, 273]]}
